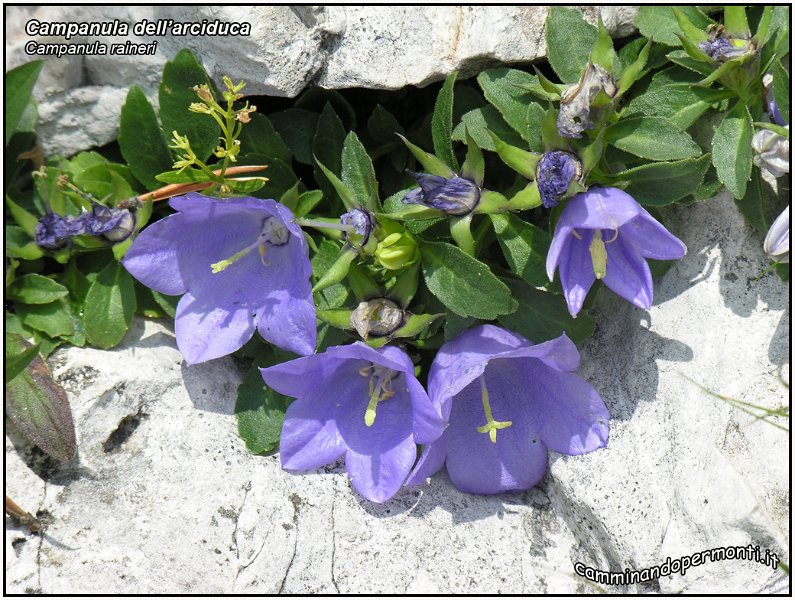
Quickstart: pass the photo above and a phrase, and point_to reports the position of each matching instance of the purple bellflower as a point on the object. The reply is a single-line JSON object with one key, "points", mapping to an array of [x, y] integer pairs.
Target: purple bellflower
{"points": [[605, 234], [506, 401], [554, 172], [241, 263], [776, 244], [454, 195], [360, 403]]}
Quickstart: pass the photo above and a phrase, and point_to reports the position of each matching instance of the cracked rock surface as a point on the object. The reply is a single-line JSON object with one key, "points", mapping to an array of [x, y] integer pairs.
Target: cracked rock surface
{"points": [[289, 49], [164, 497]]}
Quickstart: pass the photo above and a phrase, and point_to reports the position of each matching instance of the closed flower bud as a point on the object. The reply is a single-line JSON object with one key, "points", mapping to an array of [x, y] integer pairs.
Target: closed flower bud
{"points": [[776, 244], [772, 152], [454, 195], [362, 225], [396, 251], [576, 102], [377, 318], [554, 172]]}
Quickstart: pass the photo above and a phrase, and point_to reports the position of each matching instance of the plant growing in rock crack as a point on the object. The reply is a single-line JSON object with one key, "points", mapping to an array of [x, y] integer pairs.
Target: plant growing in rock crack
{"points": [[395, 246]]}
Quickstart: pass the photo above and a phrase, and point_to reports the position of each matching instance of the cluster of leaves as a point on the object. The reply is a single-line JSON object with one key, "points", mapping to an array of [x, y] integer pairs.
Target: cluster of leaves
{"points": [[330, 152]]}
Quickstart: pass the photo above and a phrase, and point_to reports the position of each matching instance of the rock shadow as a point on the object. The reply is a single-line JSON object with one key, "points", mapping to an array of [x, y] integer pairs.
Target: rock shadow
{"points": [[212, 385]]}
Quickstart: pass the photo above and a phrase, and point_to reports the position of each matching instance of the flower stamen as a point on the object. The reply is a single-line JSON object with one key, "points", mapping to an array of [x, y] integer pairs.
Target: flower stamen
{"points": [[599, 254], [575, 234], [379, 390], [274, 233], [613, 239], [491, 425]]}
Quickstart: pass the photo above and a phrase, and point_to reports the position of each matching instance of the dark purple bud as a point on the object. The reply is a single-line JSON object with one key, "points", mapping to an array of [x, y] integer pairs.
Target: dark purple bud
{"points": [[113, 224], [53, 231], [362, 225], [722, 49], [454, 196], [554, 172], [715, 49], [772, 107]]}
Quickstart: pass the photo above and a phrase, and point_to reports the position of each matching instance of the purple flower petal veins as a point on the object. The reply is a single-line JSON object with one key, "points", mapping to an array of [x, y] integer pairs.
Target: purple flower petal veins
{"points": [[605, 234], [242, 265], [454, 195], [506, 401], [360, 403]]}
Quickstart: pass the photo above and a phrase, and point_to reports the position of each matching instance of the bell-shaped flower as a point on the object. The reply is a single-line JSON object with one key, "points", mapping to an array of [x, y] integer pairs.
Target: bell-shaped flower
{"points": [[241, 263], [772, 152], [605, 234], [776, 243], [506, 401], [360, 403], [452, 195], [554, 172]]}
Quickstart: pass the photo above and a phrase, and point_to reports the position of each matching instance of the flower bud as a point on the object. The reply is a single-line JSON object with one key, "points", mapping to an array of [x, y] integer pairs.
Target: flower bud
{"points": [[576, 102], [397, 250], [203, 92], [114, 224], [362, 225], [772, 152], [454, 195], [554, 172], [377, 318], [776, 244]]}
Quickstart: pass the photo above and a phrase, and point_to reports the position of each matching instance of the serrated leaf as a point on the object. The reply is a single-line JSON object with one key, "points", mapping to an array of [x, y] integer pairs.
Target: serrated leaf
{"points": [[659, 22], [751, 204], [259, 137], [17, 361], [19, 83], [543, 316], [680, 103], [442, 123], [358, 174], [176, 94], [569, 41], [481, 122], [327, 146], [104, 184], [501, 87], [141, 140], [109, 306], [525, 247], [39, 407], [781, 89], [55, 319], [653, 138], [732, 154], [36, 289], [661, 183], [464, 284], [260, 412]]}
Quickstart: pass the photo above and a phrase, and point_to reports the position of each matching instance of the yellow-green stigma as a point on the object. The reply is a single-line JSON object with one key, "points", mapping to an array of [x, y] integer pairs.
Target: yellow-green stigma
{"points": [[380, 389], [491, 425], [599, 253], [274, 233]]}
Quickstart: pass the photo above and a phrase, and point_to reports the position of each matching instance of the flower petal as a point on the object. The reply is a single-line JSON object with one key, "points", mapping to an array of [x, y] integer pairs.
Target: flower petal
{"points": [[298, 377], [627, 273], [518, 459], [426, 419], [573, 417], [651, 239], [599, 208], [432, 459], [205, 330], [379, 475], [310, 438], [576, 271], [152, 258], [560, 242]]}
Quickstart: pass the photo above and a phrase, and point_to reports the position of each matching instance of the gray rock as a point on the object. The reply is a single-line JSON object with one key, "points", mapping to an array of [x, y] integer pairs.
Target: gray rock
{"points": [[164, 498], [289, 48]]}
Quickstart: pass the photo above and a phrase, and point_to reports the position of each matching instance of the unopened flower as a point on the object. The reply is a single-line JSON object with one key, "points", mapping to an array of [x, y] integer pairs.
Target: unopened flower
{"points": [[506, 401], [241, 263], [576, 101], [397, 250], [114, 224], [362, 224], [722, 47], [772, 106], [605, 234], [360, 403], [53, 231], [377, 318], [554, 172], [772, 152], [776, 244], [453, 195]]}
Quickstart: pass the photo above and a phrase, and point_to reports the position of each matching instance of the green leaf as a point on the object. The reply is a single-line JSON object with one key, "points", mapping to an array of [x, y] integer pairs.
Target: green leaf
{"points": [[781, 89], [280, 175], [442, 123], [176, 94], [36, 289], [481, 123], [307, 202], [501, 87], [474, 167], [762, 30], [569, 42], [55, 319], [345, 193], [167, 303], [26, 221], [525, 247], [430, 163], [680, 103], [103, 183], [681, 58], [335, 295], [736, 22], [358, 174], [297, 128], [19, 85], [260, 412], [659, 22], [327, 147], [656, 184], [338, 270], [109, 307], [653, 138], [732, 154], [39, 407], [463, 284], [17, 362], [258, 136], [602, 53], [751, 204], [691, 32], [634, 71], [519, 160], [382, 125], [543, 316], [141, 140]]}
